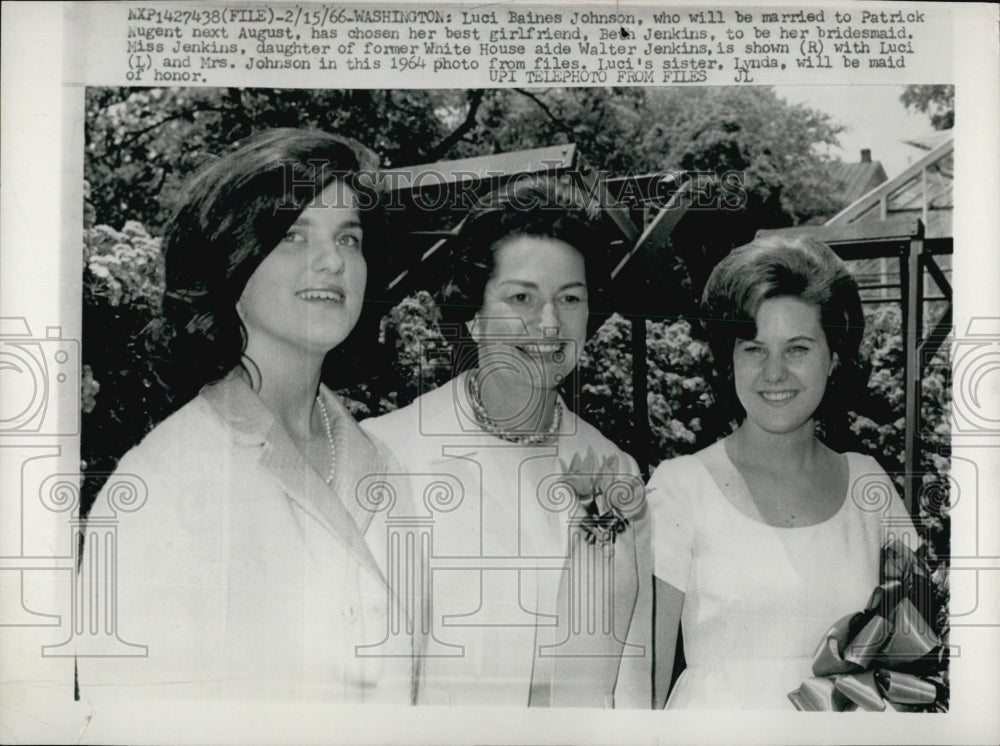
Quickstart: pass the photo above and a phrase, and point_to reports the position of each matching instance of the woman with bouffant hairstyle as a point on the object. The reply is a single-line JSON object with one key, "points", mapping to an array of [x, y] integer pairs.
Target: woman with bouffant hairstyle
{"points": [[807, 269], [766, 537], [252, 571]]}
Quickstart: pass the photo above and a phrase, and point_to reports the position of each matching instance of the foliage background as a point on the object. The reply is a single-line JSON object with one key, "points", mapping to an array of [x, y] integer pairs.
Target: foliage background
{"points": [[141, 145]]}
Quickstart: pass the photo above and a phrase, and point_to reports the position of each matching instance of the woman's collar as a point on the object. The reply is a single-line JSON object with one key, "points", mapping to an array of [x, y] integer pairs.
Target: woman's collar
{"points": [[252, 423], [238, 405]]}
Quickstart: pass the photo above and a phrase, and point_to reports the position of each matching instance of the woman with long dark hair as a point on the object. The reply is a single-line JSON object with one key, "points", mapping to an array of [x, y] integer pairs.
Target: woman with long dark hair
{"points": [[252, 571]]}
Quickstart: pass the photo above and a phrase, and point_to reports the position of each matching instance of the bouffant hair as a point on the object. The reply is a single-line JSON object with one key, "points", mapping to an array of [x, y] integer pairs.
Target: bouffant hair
{"points": [[775, 266]]}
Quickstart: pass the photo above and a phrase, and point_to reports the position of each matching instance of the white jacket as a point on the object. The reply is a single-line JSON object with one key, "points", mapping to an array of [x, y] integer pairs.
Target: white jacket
{"points": [[500, 565], [244, 573]]}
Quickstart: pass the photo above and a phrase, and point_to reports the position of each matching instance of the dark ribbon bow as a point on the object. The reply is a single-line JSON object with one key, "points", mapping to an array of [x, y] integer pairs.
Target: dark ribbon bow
{"points": [[879, 657]]}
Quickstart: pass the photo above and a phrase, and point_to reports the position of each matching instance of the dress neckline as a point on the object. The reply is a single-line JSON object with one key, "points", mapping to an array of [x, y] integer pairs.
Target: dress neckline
{"points": [[716, 453]]}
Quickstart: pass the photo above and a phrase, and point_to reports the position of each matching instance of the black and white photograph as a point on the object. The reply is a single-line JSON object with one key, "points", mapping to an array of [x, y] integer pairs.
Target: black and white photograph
{"points": [[533, 407]]}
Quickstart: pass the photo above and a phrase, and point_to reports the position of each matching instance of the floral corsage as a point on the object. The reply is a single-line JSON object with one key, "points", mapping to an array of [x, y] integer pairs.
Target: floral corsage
{"points": [[608, 497]]}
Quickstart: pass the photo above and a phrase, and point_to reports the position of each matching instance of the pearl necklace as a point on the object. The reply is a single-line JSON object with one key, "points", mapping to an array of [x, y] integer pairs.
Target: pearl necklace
{"points": [[491, 426], [328, 427]]}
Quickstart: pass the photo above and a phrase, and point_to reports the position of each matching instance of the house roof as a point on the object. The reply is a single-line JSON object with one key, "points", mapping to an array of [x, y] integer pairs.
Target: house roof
{"points": [[857, 178], [923, 190]]}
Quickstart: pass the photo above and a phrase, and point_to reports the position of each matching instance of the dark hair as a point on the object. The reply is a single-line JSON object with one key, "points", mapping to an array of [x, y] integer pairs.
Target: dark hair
{"points": [[774, 266], [234, 212], [540, 207]]}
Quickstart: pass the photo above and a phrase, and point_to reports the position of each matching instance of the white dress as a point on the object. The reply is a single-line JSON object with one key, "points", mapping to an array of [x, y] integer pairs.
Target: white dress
{"points": [[758, 598]]}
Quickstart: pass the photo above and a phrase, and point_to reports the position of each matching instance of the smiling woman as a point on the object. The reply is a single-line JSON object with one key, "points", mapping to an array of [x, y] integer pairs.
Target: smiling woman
{"points": [[765, 538], [545, 599], [253, 571], [306, 296], [780, 375], [530, 330]]}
